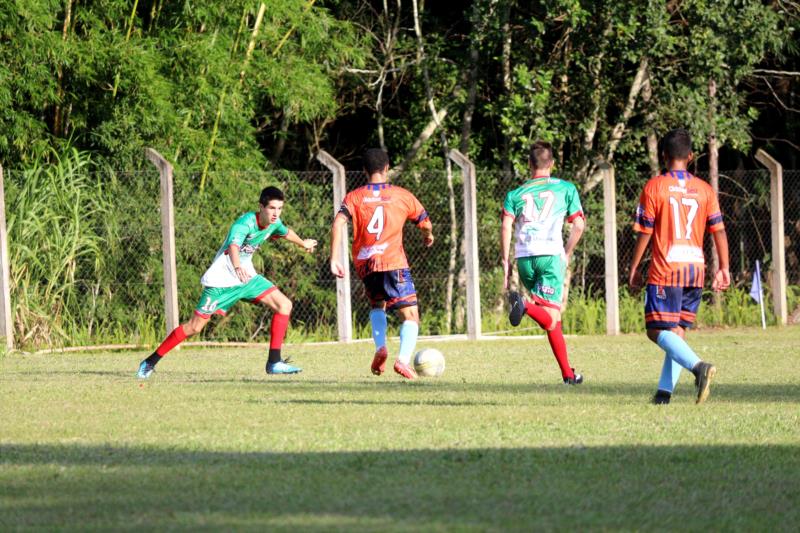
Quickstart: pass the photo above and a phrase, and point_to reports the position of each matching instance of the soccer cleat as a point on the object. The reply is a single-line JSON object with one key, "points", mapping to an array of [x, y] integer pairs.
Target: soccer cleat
{"points": [[379, 361], [517, 305], [662, 397], [282, 367], [145, 370], [577, 380], [703, 375], [407, 371]]}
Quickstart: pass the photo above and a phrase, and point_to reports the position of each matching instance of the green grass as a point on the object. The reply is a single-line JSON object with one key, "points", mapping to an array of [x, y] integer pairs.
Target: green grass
{"points": [[497, 443]]}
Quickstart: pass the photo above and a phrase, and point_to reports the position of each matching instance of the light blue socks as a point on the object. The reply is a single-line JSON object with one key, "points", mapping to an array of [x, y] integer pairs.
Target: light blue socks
{"points": [[670, 373], [678, 351], [409, 331], [377, 317]]}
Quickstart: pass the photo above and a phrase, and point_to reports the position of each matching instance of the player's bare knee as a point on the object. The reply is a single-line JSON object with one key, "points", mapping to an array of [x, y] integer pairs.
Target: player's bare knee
{"points": [[285, 307], [194, 326], [409, 313], [555, 318]]}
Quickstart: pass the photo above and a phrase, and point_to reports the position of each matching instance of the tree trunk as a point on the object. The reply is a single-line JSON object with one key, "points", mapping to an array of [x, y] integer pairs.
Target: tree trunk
{"points": [[280, 144], [506, 64], [713, 168], [649, 121], [58, 120], [451, 264]]}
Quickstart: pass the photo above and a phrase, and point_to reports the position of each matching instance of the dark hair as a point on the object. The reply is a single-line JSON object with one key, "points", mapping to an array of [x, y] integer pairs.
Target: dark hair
{"points": [[676, 144], [375, 160], [270, 193], [541, 154]]}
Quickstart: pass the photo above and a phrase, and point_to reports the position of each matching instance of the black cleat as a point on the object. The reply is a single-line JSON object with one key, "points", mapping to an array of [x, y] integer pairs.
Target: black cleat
{"points": [[577, 380], [703, 375], [662, 397], [517, 305]]}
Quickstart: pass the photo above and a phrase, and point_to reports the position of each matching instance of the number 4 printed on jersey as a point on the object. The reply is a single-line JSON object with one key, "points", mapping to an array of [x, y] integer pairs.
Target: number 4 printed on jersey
{"points": [[375, 225], [532, 213]]}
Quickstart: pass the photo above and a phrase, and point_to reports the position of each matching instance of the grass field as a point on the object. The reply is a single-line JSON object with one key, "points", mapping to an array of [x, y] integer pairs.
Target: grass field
{"points": [[497, 443]]}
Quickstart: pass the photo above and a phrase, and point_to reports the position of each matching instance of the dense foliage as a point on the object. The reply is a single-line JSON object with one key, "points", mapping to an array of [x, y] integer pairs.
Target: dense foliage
{"points": [[233, 92]]}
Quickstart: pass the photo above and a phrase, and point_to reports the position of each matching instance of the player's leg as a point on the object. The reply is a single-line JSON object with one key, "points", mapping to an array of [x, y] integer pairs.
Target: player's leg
{"points": [[212, 301], [281, 305], [373, 284], [519, 307], [401, 296], [703, 371], [544, 277], [194, 326], [668, 312]]}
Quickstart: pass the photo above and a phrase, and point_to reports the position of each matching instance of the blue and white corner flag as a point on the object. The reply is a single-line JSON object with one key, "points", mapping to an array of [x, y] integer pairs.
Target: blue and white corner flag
{"points": [[757, 292]]}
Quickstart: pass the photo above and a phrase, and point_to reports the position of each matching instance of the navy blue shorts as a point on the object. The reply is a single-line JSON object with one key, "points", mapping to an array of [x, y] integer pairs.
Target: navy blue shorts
{"points": [[670, 307], [394, 287]]}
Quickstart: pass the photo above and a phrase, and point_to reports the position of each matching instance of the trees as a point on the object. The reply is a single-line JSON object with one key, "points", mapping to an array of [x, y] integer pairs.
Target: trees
{"points": [[197, 80]]}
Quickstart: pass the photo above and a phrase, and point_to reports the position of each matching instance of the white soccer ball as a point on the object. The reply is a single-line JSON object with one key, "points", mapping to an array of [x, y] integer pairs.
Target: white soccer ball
{"points": [[429, 362]]}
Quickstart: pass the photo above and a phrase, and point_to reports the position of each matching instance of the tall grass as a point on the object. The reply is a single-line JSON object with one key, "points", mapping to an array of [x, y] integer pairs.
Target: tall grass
{"points": [[57, 226]]}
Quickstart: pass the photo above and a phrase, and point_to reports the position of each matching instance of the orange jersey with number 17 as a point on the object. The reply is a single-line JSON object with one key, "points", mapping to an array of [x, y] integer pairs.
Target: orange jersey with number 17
{"points": [[677, 209], [378, 212]]}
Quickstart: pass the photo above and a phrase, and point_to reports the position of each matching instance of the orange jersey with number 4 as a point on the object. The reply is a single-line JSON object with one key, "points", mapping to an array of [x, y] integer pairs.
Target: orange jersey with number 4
{"points": [[378, 212], [677, 209]]}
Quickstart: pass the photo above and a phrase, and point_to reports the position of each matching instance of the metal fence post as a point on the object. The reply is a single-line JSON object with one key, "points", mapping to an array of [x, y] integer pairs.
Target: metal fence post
{"points": [[471, 239], [778, 238], [344, 310], [6, 320], [610, 248], [168, 238]]}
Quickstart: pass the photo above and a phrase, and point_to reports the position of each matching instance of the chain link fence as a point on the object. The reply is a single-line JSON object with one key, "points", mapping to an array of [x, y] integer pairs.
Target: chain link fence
{"points": [[86, 254]]}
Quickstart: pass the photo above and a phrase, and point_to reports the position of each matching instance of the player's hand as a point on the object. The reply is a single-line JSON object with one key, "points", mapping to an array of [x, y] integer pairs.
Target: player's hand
{"points": [[722, 280], [337, 269], [506, 270], [428, 239], [635, 280], [309, 244], [242, 274]]}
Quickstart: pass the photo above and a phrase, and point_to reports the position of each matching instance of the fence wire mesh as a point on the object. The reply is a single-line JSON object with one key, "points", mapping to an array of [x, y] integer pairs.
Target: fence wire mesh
{"points": [[86, 253]]}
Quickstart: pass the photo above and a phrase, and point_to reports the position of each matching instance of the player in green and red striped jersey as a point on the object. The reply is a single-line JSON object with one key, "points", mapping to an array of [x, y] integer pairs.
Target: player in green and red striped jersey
{"points": [[535, 213], [232, 277]]}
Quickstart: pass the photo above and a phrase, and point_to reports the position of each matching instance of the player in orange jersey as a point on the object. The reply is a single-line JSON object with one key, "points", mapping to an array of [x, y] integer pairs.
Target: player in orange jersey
{"points": [[378, 211], [674, 212]]}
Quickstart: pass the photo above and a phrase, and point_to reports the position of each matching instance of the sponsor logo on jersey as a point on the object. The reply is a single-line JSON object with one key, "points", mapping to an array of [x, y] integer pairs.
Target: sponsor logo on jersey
{"points": [[661, 294], [249, 248], [368, 251], [368, 200], [545, 289]]}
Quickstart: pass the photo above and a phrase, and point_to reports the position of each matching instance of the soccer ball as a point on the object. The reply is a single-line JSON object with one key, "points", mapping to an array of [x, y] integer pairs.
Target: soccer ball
{"points": [[429, 362]]}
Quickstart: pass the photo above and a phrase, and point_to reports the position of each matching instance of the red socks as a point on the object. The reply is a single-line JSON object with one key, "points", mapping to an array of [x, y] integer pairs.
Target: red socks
{"points": [[277, 331], [556, 338], [539, 314], [173, 339]]}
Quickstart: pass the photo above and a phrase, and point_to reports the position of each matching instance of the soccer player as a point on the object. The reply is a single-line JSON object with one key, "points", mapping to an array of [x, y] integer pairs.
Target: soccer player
{"points": [[535, 213], [378, 212], [232, 277], [675, 210]]}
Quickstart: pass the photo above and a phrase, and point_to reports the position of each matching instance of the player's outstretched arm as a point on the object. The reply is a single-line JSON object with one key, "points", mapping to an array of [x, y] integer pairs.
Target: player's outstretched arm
{"points": [[722, 278], [307, 244], [339, 223], [635, 278], [505, 246], [575, 233]]}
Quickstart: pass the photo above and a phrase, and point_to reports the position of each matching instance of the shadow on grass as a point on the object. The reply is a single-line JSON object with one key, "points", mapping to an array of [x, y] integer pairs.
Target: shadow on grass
{"points": [[625, 487], [723, 392]]}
